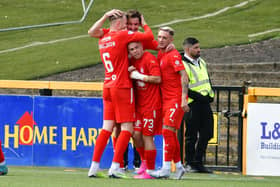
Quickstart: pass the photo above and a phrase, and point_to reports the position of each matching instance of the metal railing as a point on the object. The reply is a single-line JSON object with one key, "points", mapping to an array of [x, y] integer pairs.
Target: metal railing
{"points": [[227, 153], [230, 109]]}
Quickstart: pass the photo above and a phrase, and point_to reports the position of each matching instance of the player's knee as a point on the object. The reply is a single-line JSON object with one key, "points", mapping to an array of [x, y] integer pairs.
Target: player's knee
{"points": [[128, 126], [137, 136]]}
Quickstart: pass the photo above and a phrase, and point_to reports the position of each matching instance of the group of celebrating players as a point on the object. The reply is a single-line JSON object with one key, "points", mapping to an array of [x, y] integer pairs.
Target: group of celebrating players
{"points": [[143, 95]]}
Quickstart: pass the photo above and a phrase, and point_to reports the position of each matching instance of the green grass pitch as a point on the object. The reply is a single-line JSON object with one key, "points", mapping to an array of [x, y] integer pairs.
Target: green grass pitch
{"points": [[60, 177], [22, 58]]}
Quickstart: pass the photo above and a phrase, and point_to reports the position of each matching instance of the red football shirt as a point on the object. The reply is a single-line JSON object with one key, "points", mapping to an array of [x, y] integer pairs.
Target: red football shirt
{"points": [[147, 95], [114, 55], [170, 65], [149, 44]]}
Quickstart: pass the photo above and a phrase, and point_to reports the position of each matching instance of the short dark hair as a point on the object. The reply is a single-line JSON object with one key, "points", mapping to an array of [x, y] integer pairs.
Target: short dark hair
{"points": [[133, 14], [190, 41]]}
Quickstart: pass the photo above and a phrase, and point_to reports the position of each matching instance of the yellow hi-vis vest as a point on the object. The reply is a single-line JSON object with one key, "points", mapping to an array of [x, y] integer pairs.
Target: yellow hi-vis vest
{"points": [[198, 79]]}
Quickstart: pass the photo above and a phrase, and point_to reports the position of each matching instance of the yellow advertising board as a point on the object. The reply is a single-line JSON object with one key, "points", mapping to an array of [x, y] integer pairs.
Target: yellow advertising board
{"points": [[215, 139]]}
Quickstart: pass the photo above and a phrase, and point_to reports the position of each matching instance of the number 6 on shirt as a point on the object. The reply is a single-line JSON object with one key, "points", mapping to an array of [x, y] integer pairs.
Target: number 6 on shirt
{"points": [[108, 64]]}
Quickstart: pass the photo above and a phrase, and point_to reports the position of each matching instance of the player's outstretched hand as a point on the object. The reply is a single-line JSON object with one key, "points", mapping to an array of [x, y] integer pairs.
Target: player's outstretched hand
{"points": [[185, 106], [143, 22], [138, 76], [170, 47]]}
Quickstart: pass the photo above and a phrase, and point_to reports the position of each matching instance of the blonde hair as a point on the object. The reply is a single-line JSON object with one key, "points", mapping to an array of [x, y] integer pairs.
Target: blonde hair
{"points": [[114, 17], [167, 29]]}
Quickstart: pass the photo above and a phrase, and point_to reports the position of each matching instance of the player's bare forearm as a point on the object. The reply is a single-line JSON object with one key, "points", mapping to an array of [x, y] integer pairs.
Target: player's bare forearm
{"points": [[185, 85], [184, 82], [96, 29], [153, 79], [134, 74]]}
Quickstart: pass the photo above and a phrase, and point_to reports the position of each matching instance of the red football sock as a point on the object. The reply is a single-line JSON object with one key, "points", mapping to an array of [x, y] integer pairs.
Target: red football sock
{"points": [[177, 155], [169, 144], [150, 156], [140, 150], [114, 142], [100, 145], [1, 153], [122, 164], [121, 146]]}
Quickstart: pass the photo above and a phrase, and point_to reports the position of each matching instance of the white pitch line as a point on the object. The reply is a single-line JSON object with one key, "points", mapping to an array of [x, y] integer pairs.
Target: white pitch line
{"points": [[206, 15], [264, 32], [33, 44]]}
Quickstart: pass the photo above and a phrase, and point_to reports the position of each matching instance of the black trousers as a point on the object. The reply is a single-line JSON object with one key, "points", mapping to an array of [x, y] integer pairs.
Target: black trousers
{"points": [[136, 158], [199, 130]]}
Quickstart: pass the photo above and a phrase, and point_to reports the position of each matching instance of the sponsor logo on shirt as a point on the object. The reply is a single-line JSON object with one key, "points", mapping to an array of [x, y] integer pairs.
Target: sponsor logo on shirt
{"points": [[130, 32], [106, 45], [114, 77], [177, 62], [105, 39]]}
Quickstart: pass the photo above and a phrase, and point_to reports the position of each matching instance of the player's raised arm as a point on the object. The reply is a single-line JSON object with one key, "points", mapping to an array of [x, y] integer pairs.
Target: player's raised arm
{"points": [[139, 36], [146, 78], [96, 29], [147, 29]]}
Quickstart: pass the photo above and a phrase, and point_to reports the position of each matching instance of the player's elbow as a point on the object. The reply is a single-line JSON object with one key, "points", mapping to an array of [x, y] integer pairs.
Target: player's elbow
{"points": [[151, 37], [94, 34], [91, 33]]}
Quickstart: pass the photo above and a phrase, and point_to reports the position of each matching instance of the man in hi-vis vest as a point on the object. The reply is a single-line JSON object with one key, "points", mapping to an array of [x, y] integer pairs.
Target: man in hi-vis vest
{"points": [[199, 121]]}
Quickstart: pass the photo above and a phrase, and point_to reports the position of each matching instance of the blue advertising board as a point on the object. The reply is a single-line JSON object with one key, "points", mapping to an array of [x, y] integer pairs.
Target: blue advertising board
{"points": [[54, 131], [11, 109]]}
